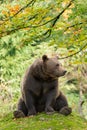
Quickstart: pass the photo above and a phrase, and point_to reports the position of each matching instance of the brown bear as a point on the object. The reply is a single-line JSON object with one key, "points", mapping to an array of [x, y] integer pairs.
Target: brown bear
{"points": [[40, 91]]}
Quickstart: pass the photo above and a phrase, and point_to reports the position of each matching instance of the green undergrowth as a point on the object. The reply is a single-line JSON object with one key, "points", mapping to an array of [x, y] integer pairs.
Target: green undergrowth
{"points": [[44, 122], [12, 70]]}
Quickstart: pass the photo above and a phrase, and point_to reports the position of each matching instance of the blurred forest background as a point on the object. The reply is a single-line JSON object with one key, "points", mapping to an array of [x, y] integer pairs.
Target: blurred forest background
{"points": [[31, 28]]}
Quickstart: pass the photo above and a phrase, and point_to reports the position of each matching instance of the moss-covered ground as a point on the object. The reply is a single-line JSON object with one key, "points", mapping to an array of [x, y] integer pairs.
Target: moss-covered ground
{"points": [[43, 122]]}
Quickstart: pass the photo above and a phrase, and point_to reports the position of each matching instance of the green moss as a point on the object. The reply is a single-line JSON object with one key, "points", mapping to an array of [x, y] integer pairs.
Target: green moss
{"points": [[44, 122]]}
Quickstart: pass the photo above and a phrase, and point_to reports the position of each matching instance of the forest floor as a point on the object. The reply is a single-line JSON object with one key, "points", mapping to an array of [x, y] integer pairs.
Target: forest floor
{"points": [[43, 122]]}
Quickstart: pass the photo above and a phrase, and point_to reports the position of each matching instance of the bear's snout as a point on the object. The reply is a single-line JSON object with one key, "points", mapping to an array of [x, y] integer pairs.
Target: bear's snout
{"points": [[64, 72]]}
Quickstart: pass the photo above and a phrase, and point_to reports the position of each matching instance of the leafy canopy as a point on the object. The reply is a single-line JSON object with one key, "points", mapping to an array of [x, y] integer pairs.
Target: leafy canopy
{"points": [[62, 23]]}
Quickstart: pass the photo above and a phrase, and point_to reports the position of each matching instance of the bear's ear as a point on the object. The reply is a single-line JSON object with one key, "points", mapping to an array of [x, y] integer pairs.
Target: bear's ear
{"points": [[44, 58]]}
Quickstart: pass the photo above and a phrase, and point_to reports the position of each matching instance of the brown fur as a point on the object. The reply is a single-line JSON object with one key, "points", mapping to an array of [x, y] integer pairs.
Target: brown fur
{"points": [[40, 89]]}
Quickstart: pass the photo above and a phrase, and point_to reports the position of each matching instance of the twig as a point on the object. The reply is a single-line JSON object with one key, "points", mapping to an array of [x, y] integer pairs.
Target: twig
{"points": [[54, 20], [18, 28], [71, 26], [74, 53], [58, 16], [48, 32], [31, 2]]}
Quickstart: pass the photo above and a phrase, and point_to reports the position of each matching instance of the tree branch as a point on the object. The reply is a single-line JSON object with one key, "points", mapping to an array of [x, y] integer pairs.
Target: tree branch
{"points": [[31, 2], [74, 53], [48, 32], [54, 20], [45, 35], [18, 28], [71, 26], [58, 16]]}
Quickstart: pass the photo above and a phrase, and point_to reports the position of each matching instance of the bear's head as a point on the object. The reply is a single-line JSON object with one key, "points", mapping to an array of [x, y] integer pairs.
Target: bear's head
{"points": [[53, 67], [47, 68]]}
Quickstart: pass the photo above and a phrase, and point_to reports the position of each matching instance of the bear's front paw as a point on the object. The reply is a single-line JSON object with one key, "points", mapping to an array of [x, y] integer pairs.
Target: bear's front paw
{"points": [[31, 112], [18, 114], [65, 110], [49, 110]]}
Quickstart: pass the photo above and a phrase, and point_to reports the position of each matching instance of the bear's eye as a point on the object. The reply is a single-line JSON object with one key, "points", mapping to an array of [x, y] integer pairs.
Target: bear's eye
{"points": [[57, 64]]}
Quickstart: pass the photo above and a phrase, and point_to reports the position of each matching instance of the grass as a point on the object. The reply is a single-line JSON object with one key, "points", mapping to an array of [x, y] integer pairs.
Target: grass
{"points": [[12, 68], [44, 122]]}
